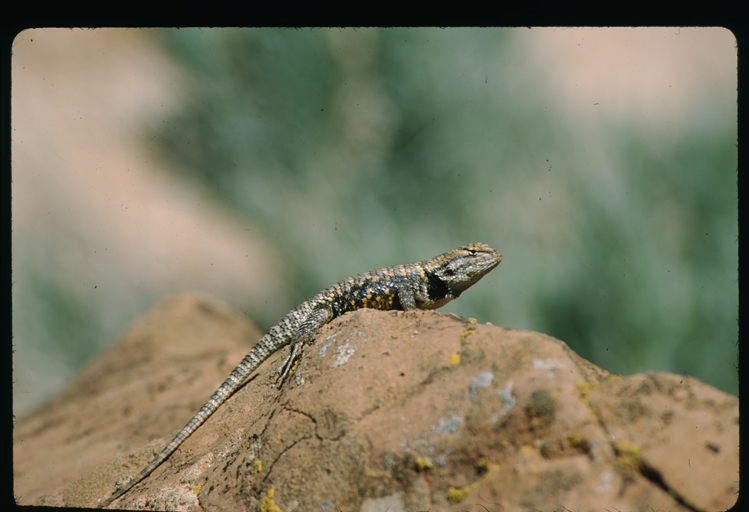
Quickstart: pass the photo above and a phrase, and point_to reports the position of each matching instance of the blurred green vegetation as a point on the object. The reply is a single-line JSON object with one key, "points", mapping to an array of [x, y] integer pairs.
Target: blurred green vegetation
{"points": [[362, 148], [355, 149]]}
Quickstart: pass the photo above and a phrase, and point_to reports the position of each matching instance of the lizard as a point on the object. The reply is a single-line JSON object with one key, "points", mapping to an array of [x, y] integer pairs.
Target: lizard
{"points": [[428, 284]]}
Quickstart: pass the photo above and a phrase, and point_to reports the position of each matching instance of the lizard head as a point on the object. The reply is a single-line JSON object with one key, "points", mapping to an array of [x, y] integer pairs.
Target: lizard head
{"points": [[460, 268]]}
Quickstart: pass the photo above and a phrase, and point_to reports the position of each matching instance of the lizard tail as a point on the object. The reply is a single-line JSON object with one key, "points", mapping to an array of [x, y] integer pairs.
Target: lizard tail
{"points": [[251, 361]]}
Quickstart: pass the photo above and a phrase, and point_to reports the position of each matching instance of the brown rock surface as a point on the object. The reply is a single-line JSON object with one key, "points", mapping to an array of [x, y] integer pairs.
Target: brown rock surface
{"points": [[392, 411]]}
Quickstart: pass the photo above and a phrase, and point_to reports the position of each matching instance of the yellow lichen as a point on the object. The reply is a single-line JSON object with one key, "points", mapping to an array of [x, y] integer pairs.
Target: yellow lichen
{"points": [[584, 388], [423, 463], [628, 454], [575, 440], [454, 495], [257, 467], [470, 329], [268, 505], [197, 488], [454, 359]]}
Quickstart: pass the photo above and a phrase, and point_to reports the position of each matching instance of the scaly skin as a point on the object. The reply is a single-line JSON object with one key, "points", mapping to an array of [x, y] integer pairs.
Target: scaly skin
{"points": [[428, 284]]}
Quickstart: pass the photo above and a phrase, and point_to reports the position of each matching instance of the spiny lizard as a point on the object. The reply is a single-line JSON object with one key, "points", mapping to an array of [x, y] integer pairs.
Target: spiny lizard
{"points": [[426, 284]]}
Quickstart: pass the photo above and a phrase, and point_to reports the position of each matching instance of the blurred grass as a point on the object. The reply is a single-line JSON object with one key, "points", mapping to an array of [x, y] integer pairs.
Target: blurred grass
{"points": [[358, 149]]}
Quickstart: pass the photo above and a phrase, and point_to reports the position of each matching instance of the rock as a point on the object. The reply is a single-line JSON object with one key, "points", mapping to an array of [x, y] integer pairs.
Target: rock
{"points": [[145, 387], [397, 411]]}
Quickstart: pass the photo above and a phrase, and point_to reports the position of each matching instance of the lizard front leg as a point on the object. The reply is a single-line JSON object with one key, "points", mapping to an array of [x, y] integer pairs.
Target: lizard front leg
{"points": [[407, 298]]}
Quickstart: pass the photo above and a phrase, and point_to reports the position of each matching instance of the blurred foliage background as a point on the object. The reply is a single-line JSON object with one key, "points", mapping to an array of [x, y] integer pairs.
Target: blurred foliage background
{"points": [[399, 144], [355, 149]]}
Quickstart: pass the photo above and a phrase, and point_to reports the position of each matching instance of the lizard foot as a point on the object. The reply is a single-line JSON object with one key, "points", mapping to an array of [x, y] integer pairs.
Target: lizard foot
{"points": [[290, 363]]}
